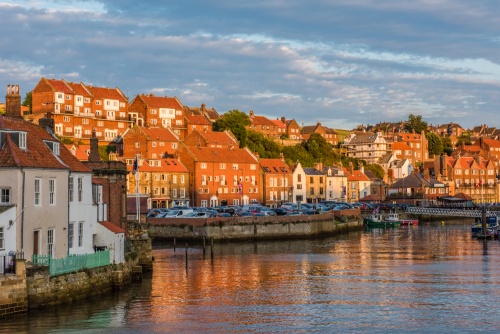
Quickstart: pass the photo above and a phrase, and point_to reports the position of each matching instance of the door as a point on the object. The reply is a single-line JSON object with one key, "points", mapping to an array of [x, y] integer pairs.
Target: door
{"points": [[36, 243]]}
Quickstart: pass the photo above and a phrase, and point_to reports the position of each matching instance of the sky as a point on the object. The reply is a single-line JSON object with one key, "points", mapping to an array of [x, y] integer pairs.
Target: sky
{"points": [[339, 62]]}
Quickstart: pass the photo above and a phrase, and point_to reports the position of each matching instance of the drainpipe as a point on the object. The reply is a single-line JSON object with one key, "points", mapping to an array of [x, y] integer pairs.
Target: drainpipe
{"points": [[67, 227], [22, 213]]}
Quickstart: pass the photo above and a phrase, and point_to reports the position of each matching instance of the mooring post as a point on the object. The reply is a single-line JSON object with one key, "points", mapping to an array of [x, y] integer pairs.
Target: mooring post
{"points": [[212, 248], [174, 245], [187, 255], [204, 247]]}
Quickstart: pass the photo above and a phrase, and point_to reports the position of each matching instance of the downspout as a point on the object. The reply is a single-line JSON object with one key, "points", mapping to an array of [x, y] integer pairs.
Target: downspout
{"points": [[67, 227], [22, 213]]}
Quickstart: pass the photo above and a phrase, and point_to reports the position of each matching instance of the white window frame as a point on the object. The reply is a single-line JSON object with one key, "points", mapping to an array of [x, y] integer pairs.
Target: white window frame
{"points": [[71, 234], [38, 188], [50, 242], [52, 191], [80, 234]]}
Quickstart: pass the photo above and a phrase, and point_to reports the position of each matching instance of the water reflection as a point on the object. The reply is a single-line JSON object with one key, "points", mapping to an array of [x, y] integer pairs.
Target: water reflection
{"points": [[429, 278]]}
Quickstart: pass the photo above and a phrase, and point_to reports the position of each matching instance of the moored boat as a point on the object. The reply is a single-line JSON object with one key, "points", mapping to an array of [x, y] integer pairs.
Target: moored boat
{"points": [[409, 222], [492, 228], [378, 220]]}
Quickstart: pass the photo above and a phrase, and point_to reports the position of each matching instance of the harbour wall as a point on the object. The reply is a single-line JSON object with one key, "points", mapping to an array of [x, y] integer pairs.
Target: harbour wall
{"points": [[266, 227]]}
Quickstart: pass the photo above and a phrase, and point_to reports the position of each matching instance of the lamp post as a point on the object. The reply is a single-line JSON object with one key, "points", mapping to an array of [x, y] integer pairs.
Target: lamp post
{"points": [[404, 190]]}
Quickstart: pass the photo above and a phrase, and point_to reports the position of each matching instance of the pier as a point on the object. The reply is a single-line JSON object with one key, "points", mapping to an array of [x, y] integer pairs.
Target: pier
{"points": [[451, 212]]}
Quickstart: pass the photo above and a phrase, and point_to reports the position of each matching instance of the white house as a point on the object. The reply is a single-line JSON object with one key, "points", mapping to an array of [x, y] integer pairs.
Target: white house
{"points": [[336, 183], [299, 183], [111, 237]]}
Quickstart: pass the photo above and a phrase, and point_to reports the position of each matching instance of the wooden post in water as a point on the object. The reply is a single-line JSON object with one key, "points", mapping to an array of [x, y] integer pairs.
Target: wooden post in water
{"points": [[212, 249], [204, 248], [174, 245], [485, 232], [187, 255]]}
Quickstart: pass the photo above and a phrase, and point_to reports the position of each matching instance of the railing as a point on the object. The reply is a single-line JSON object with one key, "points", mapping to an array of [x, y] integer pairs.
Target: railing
{"points": [[72, 263], [456, 212]]}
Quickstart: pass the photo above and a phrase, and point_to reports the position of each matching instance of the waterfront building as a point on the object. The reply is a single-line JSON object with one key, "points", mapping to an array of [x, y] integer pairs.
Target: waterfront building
{"points": [[164, 182], [315, 185], [299, 183], [79, 109], [336, 183], [50, 189], [225, 175], [417, 189], [277, 181], [358, 184]]}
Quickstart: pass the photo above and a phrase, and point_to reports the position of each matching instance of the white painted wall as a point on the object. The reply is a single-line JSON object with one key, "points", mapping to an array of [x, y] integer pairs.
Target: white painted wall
{"points": [[115, 242]]}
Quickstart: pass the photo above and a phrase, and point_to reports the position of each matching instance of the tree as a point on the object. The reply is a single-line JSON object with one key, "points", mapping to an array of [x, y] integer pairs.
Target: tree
{"points": [[415, 123], [376, 169], [257, 142], [436, 146], [28, 101], [464, 138], [236, 121], [447, 145]]}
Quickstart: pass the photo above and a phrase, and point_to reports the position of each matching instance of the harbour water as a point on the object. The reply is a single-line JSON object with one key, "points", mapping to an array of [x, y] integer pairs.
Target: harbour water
{"points": [[431, 278]]}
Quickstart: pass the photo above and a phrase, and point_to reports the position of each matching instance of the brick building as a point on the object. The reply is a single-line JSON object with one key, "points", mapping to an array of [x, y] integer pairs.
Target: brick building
{"points": [[277, 182], [263, 125], [78, 109]]}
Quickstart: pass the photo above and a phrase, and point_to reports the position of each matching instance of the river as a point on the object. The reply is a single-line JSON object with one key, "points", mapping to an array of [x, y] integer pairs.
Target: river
{"points": [[433, 278]]}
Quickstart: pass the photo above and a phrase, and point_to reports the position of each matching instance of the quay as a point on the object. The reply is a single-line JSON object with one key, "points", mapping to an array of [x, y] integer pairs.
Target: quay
{"points": [[255, 228]]}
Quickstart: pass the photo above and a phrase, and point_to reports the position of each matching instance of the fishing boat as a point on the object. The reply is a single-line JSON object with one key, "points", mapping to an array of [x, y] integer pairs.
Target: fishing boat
{"points": [[492, 227], [376, 219]]}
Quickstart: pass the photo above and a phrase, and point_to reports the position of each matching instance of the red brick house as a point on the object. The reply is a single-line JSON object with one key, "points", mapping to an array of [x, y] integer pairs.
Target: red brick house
{"points": [[277, 182], [329, 134], [158, 111], [197, 122], [78, 109], [292, 128], [215, 139], [263, 125], [222, 176]]}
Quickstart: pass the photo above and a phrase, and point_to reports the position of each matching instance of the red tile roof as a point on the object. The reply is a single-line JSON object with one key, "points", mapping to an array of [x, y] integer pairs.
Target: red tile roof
{"points": [[197, 119], [112, 227], [161, 102], [37, 154], [79, 89], [167, 166], [222, 138], [279, 123], [261, 120], [60, 86], [160, 134], [356, 175], [492, 142], [100, 93], [399, 145], [231, 155], [410, 137]]}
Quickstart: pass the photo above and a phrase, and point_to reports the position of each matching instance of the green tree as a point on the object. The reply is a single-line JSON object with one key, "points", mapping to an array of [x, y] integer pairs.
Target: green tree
{"points": [[28, 101], [416, 123], [321, 150], [464, 138], [436, 146], [257, 142], [447, 145], [236, 121], [376, 169], [298, 153]]}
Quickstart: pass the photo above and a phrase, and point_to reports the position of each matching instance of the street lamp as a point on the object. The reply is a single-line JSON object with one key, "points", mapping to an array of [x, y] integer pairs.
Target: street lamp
{"points": [[404, 190]]}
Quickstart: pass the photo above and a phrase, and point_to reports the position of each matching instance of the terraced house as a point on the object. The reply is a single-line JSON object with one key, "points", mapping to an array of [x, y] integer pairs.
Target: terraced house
{"points": [[78, 109]]}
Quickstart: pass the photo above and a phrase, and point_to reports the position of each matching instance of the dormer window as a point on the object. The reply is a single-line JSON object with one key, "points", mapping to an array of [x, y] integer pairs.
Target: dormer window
{"points": [[18, 137], [22, 140], [54, 146]]}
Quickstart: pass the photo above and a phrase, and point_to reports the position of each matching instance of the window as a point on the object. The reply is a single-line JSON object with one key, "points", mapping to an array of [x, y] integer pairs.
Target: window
{"points": [[174, 145], [80, 234], [37, 191], [174, 178], [4, 195], [311, 191], [311, 179], [253, 167], [174, 192], [182, 179], [235, 166], [204, 203], [299, 178], [182, 192], [80, 189], [137, 144], [71, 231], [50, 243], [152, 111], [203, 165], [222, 166], [299, 186], [22, 140], [52, 191]]}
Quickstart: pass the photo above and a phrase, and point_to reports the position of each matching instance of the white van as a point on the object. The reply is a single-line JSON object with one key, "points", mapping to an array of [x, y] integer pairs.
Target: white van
{"points": [[177, 213]]}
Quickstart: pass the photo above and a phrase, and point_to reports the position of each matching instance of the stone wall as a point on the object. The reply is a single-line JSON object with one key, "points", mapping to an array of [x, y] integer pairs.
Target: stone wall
{"points": [[13, 291], [254, 227], [44, 290]]}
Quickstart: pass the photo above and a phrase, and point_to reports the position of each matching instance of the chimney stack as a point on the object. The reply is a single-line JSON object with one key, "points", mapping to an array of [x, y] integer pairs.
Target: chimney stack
{"points": [[13, 102], [251, 113], [47, 122], [94, 148]]}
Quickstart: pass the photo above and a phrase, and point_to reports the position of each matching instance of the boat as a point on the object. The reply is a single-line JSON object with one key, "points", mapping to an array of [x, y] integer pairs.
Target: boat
{"points": [[409, 221], [376, 219], [492, 228]]}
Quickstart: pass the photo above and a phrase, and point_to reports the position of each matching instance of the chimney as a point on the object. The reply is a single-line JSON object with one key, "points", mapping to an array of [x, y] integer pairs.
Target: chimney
{"points": [[257, 154], [427, 175], [47, 122], [94, 148], [203, 107], [318, 166], [283, 119], [443, 167], [350, 169], [479, 160], [13, 102], [282, 157], [251, 113]]}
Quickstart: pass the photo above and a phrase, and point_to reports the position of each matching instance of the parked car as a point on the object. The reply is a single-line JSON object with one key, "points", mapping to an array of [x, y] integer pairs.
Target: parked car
{"points": [[199, 215], [174, 213], [223, 214], [280, 211]]}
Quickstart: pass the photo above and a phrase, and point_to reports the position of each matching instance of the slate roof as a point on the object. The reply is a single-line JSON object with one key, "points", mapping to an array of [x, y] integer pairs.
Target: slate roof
{"points": [[416, 180], [312, 171], [37, 153], [274, 166]]}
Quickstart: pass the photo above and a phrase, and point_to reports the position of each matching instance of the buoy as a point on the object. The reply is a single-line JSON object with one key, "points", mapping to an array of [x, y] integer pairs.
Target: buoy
{"points": [[442, 222]]}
